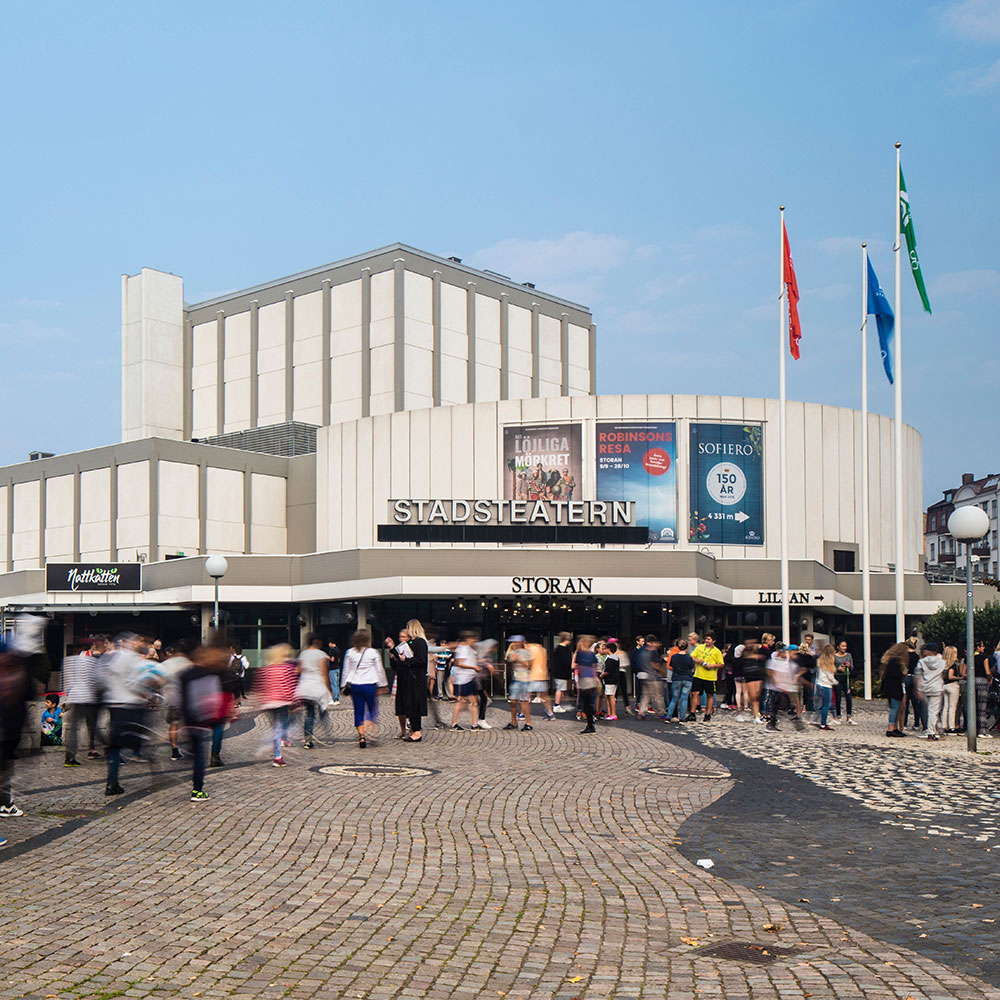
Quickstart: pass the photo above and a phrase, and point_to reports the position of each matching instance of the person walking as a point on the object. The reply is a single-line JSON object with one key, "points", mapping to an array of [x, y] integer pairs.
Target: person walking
{"points": [[313, 687], [895, 661], [364, 677], [202, 704], [276, 683], [952, 688], [126, 682], [409, 661], [518, 663], [562, 669], [930, 680], [82, 700], [239, 666], [825, 679], [15, 691], [585, 670], [465, 680], [336, 660], [610, 674]]}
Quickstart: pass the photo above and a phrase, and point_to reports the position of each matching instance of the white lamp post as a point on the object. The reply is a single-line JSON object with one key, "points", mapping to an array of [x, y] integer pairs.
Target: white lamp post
{"points": [[215, 567], [969, 524]]}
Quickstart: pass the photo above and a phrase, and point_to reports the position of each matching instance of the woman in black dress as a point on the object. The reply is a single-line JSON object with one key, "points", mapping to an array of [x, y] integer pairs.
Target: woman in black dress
{"points": [[409, 659]]}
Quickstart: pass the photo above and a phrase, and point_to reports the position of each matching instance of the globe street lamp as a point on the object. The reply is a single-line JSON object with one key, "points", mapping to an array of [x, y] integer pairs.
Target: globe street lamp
{"points": [[215, 567], [969, 524]]}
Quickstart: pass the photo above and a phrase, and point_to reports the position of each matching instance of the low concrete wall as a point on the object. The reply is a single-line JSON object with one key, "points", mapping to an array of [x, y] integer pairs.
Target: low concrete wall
{"points": [[31, 734]]}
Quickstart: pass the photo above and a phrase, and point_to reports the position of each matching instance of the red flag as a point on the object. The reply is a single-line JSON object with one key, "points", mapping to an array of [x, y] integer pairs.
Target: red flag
{"points": [[792, 290]]}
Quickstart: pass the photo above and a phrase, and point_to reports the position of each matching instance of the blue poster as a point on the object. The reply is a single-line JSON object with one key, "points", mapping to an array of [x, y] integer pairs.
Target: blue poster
{"points": [[637, 462], [727, 484]]}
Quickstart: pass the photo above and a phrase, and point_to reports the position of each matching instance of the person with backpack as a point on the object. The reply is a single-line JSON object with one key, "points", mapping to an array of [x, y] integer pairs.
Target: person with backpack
{"points": [[203, 703]]}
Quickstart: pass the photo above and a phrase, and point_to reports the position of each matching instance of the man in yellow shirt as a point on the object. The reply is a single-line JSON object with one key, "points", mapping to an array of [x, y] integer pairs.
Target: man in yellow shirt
{"points": [[707, 661]]}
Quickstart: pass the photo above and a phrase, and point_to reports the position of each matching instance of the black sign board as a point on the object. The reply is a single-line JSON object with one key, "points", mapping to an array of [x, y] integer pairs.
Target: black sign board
{"points": [[93, 577], [515, 534]]}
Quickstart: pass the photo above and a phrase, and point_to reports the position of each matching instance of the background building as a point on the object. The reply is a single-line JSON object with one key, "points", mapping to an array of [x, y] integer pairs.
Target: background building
{"points": [[399, 435], [944, 560]]}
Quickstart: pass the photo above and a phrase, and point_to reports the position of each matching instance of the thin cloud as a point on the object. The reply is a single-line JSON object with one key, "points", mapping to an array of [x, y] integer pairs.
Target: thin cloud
{"points": [[38, 303], [550, 262], [972, 282], [974, 81], [973, 20]]}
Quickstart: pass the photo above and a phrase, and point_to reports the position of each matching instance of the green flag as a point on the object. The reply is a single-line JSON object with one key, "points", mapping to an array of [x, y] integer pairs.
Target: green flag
{"points": [[906, 228]]}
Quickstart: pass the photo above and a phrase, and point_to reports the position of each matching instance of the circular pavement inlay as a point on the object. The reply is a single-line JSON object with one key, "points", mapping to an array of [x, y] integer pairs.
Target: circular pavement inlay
{"points": [[375, 770], [682, 772]]}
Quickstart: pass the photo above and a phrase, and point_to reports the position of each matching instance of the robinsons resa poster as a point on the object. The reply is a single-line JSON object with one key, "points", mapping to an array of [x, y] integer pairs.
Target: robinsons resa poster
{"points": [[637, 462], [542, 462], [727, 490]]}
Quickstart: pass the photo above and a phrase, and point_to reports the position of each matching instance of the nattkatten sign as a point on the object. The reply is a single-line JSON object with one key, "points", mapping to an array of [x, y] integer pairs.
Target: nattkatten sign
{"points": [[588, 512], [93, 577]]}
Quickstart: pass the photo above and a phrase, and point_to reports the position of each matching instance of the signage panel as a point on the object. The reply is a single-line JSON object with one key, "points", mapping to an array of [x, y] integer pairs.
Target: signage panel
{"points": [[92, 578], [542, 461], [638, 462], [727, 484]]}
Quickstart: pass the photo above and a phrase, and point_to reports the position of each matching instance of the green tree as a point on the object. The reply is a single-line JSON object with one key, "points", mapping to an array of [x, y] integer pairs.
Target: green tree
{"points": [[947, 625]]}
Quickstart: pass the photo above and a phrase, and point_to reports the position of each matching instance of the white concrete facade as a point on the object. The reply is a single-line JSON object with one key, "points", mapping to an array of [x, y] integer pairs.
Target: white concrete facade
{"points": [[393, 330], [456, 452]]}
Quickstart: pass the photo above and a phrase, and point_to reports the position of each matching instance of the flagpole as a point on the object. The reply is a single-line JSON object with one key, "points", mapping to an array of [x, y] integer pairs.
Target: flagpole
{"points": [[898, 385], [866, 584], [782, 456]]}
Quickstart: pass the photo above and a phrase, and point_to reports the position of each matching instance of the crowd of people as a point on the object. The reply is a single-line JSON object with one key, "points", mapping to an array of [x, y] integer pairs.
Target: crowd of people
{"points": [[120, 696]]}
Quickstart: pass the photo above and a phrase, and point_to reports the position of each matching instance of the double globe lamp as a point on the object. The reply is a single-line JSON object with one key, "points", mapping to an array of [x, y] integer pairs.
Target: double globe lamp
{"points": [[969, 524]]}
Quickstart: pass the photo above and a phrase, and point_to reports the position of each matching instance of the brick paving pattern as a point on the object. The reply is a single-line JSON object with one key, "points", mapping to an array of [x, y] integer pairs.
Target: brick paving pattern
{"points": [[545, 864]]}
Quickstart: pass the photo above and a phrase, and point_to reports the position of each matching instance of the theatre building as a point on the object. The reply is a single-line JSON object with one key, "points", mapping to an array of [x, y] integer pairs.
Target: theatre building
{"points": [[399, 435]]}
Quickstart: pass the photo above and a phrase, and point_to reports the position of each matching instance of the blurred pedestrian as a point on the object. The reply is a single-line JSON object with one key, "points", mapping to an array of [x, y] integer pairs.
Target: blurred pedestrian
{"points": [[276, 683], [15, 692], [127, 687], [82, 699], [313, 688], [585, 670]]}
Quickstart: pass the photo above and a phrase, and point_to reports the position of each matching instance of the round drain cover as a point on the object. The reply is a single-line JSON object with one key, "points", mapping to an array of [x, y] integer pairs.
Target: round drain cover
{"points": [[375, 770], [681, 772]]}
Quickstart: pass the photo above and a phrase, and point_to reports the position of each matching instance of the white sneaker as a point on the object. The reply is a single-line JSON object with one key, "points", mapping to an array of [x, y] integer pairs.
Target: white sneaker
{"points": [[835, 722], [558, 708], [536, 700], [483, 724], [760, 720], [12, 809], [336, 703], [851, 722]]}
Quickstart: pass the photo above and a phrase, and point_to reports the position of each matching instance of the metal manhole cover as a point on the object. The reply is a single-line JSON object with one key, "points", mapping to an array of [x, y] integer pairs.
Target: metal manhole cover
{"points": [[748, 951], [376, 770], [681, 772]]}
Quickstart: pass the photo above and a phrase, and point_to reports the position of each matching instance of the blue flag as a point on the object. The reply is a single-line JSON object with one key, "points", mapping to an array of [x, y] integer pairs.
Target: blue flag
{"points": [[878, 306]]}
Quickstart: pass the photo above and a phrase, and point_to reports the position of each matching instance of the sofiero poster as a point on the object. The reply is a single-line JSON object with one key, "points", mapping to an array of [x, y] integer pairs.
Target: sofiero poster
{"points": [[637, 462], [727, 489], [542, 462]]}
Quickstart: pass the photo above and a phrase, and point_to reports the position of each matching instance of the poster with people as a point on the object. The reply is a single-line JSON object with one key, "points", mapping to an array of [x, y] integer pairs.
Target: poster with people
{"points": [[727, 487], [637, 462], [542, 462]]}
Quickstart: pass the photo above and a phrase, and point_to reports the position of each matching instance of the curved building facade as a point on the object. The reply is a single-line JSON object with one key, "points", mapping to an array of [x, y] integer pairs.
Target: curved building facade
{"points": [[400, 435]]}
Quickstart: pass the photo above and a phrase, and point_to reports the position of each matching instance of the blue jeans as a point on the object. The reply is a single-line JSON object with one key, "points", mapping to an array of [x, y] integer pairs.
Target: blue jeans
{"points": [[680, 692], [310, 710], [198, 739], [894, 704], [335, 683], [364, 698], [825, 697], [217, 730], [279, 720]]}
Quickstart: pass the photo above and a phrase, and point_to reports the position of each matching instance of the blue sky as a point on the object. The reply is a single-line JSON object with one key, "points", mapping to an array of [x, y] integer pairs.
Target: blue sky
{"points": [[629, 156]]}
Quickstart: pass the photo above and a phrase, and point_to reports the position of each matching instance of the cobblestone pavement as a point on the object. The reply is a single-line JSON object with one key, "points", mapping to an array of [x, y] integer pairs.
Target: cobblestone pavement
{"points": [[897, 838], [544, 864]]}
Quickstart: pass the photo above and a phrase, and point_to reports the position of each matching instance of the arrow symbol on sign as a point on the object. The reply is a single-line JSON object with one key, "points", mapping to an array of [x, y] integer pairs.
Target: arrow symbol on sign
{"points": [[818, 597], [740, 517]]}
